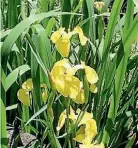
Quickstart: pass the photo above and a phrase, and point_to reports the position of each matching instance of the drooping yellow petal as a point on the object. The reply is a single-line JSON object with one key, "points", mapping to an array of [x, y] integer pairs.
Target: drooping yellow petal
{"points": [[23, 96], [28, 85], [55, 36], [68, 86], [63, 45], [61, 120], [79, 98], [93, 88], [83, 39], [61, 86], [73, 86], [80, 134], [90, 130], [91, 75]]}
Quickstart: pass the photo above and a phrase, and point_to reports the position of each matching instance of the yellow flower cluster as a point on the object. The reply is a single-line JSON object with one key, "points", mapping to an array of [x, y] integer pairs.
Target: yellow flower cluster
{"points": [[66, 83], [87, 128], [61, 39], [23, 94]]}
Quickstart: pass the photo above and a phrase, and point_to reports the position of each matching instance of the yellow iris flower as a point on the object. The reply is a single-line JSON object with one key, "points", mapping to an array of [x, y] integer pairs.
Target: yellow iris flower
{"points": [[87, 131], [23, 93], [65, 81], [87, 128], [28, 85], [61, 39], [86, 121], [69, 85], [63, 117]]}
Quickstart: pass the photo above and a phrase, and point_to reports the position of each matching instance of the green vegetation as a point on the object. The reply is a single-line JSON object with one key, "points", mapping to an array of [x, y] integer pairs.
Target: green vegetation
{"points": [[95, 87]]}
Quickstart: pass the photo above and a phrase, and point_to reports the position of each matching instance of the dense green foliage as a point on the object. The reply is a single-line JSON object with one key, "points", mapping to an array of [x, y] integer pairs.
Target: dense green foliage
{"points": [[27, 52]]}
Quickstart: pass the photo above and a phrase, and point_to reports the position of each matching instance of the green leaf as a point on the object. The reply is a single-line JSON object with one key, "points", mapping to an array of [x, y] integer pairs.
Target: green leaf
{"points": [[24, 25], [44, 47], [13, 76], [36, 114], [50, 25], [66, 7], [131, 141], [128, 38], [111, 26], [86, 89], [11, 107]]}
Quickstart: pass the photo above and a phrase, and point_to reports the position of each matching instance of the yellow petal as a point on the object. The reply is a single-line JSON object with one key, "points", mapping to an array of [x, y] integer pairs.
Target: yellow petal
{"points": [[55, 36], [83, 39], [79, 98], [78, 30], [28, 85], [23, 96], [90, 130], [87, 116], [63, 45], [61, 120], [70, 71], [80, 134], [60, 68], [72, 115], [91, 75], [93, 88], [73, 86], [61, 86]]}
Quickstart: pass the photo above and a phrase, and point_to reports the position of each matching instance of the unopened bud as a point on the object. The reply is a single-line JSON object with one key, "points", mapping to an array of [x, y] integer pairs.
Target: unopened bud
{"points": [[98, 5]]}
